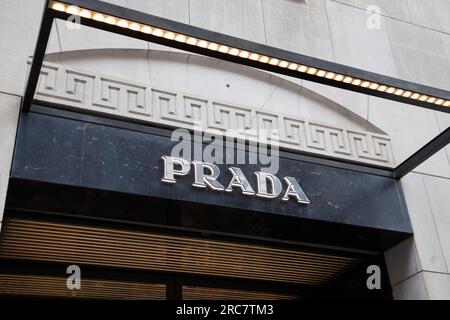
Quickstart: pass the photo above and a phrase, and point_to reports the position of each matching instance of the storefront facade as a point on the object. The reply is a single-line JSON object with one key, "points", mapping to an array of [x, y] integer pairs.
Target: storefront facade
{"points": [[92, 179]]}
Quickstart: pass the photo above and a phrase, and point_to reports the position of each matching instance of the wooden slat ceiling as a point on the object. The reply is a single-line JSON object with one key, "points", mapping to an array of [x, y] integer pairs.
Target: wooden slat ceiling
{"points": [[49, 286], [47, 241], [205, 293]]}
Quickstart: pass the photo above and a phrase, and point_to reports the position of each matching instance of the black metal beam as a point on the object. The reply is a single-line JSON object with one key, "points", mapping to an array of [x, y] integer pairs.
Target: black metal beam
{"points": [[423, 154], [211, 36], [177, 27], [38, 57]]}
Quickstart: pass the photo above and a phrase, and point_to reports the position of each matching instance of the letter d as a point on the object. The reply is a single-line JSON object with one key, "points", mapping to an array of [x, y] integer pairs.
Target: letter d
{"points": [[268, 181]]}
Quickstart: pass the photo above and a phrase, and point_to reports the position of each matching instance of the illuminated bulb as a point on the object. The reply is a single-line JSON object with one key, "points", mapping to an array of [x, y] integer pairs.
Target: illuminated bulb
{"points": [[283, 64], [157, 33], [59, 7], [73, 10], [99, 17], [274, 61], [423, 97], [330, 75], [169, 35], [244, 54], [356, 82], [302, 68], [202, 44], [415, 96], [293, 66], [213, 46], [122, 24], [192, 41], [146, 29], [374, 86], [234, 52], [365, 84], [264, 59], [312, 70], [135, 27], [321, 73], [339, 77], [398, 92], [390, 90], [439, 102], [431, 100], [85, 14], [348, 79], [110, 20], [254, 56], [223, 49], [407, 94], [447, 103], [382, 88], [180, 38]]}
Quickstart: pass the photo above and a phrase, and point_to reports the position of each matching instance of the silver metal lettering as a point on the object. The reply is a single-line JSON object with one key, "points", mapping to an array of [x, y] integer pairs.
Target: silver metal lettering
{"points": [[239, 180], [294, 189], [169, 168], [263, 180], [206, 174], [202, 180]]}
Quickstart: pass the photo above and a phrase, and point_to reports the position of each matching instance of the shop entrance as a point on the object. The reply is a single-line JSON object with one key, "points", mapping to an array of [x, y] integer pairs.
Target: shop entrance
{"points": [[122, 262], [94, 199]]}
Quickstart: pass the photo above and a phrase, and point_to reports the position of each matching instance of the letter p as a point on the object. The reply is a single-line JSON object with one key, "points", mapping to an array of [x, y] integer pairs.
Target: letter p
{"points": [[183, 167]]}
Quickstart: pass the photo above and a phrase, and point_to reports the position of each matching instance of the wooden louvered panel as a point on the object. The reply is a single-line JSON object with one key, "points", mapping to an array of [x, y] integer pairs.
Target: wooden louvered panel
{"points": [[50, 241], [204, 293], [49, 286]]}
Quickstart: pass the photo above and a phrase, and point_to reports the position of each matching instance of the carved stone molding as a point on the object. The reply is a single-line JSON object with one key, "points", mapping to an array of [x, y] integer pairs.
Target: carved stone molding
{"points": [[103, 94]]}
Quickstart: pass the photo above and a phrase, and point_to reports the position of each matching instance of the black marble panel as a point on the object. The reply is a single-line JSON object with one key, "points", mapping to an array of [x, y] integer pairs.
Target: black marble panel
{"points": [[100, 156]]}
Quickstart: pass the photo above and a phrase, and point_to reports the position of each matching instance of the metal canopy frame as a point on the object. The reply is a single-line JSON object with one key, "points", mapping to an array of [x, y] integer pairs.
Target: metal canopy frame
{"points": [[435, 99]]}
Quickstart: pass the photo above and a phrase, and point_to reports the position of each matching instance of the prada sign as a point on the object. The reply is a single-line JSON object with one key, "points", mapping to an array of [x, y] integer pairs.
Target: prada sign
{"points": [[206, 175]]}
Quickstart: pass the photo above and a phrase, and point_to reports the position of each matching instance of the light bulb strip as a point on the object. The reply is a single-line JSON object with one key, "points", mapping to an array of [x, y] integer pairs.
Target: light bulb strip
{"points": [[303, 70]]}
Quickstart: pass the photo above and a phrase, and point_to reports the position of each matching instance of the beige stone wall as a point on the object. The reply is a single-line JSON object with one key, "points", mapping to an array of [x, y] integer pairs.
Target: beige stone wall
{"points": [[413, 43]]}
